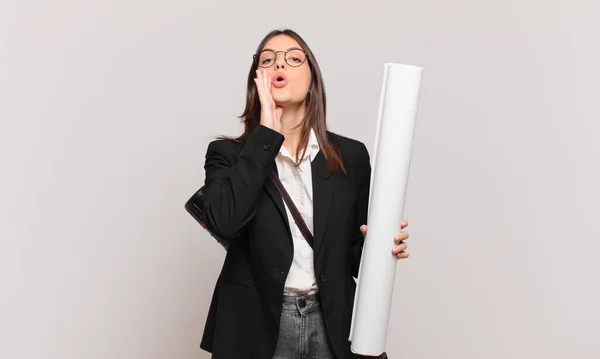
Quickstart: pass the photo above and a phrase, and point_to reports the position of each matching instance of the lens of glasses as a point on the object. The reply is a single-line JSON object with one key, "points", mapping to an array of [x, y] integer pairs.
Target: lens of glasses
{"points": [[293, 58]]}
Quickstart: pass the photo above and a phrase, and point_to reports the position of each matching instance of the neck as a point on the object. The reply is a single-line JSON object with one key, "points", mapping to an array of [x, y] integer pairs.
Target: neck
{"points": [[291, 128]]}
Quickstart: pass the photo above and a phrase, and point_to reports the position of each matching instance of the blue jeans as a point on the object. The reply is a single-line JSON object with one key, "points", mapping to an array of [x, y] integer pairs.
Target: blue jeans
{"points": [[302, 331]]}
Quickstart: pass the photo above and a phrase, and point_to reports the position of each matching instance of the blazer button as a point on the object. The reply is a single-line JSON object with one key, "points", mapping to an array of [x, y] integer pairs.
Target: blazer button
{"points": [[267, 146], [323, 278]]}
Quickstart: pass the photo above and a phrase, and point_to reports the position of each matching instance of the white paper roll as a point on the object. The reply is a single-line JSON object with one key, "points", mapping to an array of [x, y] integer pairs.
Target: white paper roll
{"points": [[389, 179]]}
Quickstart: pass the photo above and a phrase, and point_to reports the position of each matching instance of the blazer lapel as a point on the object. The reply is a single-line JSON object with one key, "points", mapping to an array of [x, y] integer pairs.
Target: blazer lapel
{"points": [[276, 196], [323, 189]]}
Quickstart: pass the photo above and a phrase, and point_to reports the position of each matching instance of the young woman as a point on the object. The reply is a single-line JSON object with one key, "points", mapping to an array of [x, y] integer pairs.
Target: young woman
{"points": [[286, 289]]}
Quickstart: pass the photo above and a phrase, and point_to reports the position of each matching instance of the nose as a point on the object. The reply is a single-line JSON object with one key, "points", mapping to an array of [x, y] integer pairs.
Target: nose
{"points": [[280, 61]]}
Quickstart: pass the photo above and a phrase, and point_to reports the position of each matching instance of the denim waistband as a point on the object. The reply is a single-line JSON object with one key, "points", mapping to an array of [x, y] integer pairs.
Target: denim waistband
{"points": [[303, 304]]}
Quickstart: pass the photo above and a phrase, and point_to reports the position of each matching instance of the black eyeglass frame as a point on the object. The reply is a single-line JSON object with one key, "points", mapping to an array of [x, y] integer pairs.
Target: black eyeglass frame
{"points": [[256, 57]]}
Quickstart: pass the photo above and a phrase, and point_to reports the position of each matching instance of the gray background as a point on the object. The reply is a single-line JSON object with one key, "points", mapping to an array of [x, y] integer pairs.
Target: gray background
{"points": [[107, 107]]}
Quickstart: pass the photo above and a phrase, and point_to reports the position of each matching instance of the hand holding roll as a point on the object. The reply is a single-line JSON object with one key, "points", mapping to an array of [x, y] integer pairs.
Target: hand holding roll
{"points": [[399, 250]]}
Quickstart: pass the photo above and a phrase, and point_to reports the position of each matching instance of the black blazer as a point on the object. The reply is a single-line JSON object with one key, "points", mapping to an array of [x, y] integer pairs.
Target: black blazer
{"points": [[243, 205]]}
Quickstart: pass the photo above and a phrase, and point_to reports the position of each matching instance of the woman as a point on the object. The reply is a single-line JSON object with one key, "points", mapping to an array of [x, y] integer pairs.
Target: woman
{"points": [[286, 289]]}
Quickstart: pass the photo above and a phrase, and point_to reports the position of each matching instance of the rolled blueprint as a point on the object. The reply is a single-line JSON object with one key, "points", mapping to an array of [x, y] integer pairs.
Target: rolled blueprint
{"points": [[389, 178]]}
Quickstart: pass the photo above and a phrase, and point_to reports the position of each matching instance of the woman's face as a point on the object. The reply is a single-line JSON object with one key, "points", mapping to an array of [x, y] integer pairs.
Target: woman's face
{"points": [[285, 62]]}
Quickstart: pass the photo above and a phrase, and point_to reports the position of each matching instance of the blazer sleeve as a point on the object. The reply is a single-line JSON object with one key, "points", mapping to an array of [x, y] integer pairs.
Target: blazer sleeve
{"points": [[362, 204], [234, 180]]}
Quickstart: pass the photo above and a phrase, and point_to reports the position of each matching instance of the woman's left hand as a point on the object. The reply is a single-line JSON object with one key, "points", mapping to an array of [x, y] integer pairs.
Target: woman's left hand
{"points": [[399, 250]]}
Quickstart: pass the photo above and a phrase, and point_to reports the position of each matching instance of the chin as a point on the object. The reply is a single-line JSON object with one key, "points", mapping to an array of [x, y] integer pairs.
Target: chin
{"points": [[284, 100]]}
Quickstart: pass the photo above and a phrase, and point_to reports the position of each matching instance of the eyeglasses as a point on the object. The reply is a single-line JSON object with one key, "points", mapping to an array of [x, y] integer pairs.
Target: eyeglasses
{"points": [[293, 57]]}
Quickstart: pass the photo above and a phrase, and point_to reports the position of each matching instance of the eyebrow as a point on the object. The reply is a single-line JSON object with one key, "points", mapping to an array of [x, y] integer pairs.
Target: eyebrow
{"points": [[289, 48]]}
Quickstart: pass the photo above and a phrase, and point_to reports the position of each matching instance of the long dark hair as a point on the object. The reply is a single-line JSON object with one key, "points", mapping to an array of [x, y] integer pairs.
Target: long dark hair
{"points": [[315, 108]]}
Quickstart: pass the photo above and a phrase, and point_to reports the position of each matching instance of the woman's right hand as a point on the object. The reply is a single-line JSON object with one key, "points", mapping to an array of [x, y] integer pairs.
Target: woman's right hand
{"points": [[270, 113]]}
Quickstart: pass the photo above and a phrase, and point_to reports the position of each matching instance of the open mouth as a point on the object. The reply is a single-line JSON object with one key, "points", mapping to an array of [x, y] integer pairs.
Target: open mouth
{"points": [[279, 77], [279, 80]]}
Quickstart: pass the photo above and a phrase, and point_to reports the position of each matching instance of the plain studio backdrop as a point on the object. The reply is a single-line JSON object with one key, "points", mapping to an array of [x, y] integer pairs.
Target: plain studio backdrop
{"points": [[107, 107]]}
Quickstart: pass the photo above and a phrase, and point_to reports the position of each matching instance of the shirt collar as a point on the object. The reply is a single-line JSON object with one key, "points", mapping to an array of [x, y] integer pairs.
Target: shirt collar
{"points": [[312, 148]]}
